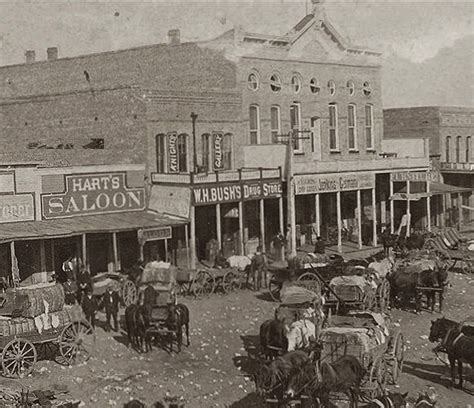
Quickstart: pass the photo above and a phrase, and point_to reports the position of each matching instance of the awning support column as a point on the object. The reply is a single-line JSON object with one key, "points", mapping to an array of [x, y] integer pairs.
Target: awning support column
{"points": [[317, 213], [408, 209], [186, 238], [339, 222], [15, 271], [262, 224], [282, 226], [193, 237], [374, 217], [42, 256], [461, 220], [84, 251], [392, 216], [359, 219], [428, 207], [218, 226], [241, 228], [167, 258], [115, 248], [443, 210]]}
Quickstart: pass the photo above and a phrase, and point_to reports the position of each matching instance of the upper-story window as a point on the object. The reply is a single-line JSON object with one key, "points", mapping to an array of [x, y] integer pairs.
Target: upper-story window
{"points": [[254, 114], [448, 149], [275, 83], [206, 141], [314, 86], [296, 83], [468, 149], [350, 87], [352, 126], [458, 149], [295, 123], [331, 87], [160, 153], [333, 130], [182, 153], [275, 122], [217, 151], [253, 81], [369, 127], [367, 89]]}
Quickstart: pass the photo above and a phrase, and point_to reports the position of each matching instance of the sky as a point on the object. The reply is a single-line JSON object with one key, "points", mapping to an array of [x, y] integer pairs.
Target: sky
{"points": [[414, 31]]}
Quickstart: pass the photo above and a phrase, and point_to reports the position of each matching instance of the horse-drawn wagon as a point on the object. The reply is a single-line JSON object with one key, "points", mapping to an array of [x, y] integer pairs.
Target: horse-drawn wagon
{"points": [[34, 319]]}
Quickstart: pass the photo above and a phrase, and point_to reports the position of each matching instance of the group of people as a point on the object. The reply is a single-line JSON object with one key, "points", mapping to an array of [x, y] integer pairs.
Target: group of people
{"points": [[78, 290]]}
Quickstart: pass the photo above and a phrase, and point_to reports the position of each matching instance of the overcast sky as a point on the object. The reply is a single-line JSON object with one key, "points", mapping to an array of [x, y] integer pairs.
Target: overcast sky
{"points": [[415, 30]]}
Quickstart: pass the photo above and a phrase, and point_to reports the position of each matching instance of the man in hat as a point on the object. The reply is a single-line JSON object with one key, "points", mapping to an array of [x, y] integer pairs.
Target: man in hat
{"points": [[111, 302], [70, 290], [85, 283], [89, 307]]}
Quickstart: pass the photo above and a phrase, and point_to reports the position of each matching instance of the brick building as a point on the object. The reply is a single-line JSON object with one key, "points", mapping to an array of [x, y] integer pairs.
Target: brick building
{"points": [[450, 131]]}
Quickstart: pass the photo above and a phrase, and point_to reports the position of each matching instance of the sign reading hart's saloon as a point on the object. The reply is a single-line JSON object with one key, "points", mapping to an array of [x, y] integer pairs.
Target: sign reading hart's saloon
{"points": [[93, 194]]}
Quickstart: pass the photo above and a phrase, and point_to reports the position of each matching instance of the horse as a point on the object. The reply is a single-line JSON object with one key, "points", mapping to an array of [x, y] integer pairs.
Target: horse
{"points": [[457, 342], [425, 401], [390, 400], [273, 340], [320, 379], [178, 316], [137, 322]]}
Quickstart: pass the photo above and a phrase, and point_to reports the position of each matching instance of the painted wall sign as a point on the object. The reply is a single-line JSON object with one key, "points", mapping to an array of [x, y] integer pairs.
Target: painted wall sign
{"points": [[173, 152], [16, 208], [408, 176], [246, 190], [7, 182], [171, 200], [93, 194], [322, 183], [154, 234], [218, 159]]}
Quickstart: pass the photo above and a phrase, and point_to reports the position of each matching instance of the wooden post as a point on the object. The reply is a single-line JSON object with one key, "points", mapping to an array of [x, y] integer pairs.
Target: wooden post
{"points": [[115, 248], [15, 271], [428, 206], [193, 237], [166, 251], [42, 256], [460, 217], [186, 238], [282, 226], [339, 222], [359, 219], [218, 226], [241, 228], [262, 224], [443, 210], [84, 251], [408, 209], [317, 219], [374, 217], [383, 214], [292, 220], [392, 216]]}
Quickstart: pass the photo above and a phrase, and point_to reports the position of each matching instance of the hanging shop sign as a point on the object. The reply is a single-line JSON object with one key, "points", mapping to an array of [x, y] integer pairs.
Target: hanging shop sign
{"points": [[410, 176], [16, 207], [218, 156], [154, 234], [324, 183], [245, 190], [173, 166], [170, 200], [93, 194]]}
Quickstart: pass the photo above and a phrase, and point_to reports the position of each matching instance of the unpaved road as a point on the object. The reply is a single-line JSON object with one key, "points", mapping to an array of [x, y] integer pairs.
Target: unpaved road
{"points": [[210, 373]]}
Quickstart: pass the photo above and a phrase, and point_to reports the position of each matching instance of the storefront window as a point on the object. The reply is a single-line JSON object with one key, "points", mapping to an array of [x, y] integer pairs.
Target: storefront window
{"points": [[275, 122], [333, 134], [295, 123], [351, 126], [254, 115], [369, 131], [160, 153], [182, 153]]}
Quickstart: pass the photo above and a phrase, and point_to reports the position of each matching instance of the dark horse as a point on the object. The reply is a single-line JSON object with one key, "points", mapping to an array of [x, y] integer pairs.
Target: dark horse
{"points": [[137, 322], [390, 400], [273, 340], [344, 375], [457, 342], [178, 316]]}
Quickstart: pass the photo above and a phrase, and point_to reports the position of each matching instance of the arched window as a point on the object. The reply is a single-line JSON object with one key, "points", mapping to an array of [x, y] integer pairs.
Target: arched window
{"points": [[183, 152], [275, 122], [254, 124], [366, 88], [350, 87], [314, 86], [275, 83], [448, 149], [295, 125], [333, 131], [253, 81], [369, 127], [206, 141], [160, 153], [296, 83], [458, 149], [468, 149], [352, 126], [331, 87]]}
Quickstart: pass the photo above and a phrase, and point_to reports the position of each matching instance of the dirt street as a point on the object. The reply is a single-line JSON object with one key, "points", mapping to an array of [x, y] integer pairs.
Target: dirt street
{"points": [[210, 373]]}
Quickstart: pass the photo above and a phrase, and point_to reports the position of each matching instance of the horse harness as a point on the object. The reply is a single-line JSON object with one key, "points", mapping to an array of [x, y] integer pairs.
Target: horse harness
{"points": [[425, 402], [382, 405]]}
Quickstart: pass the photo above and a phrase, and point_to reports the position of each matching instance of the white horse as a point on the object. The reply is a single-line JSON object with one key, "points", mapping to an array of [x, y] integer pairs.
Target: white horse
{"points": [[300, 333]]}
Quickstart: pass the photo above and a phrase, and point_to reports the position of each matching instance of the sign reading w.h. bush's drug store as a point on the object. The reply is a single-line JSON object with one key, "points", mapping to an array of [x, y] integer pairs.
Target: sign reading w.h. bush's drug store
{"points": [[88, 194]]}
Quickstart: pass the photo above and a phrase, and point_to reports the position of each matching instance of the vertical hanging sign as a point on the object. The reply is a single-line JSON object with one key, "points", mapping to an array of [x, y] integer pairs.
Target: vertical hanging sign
{"points": [[218, 156], [173, 152]]}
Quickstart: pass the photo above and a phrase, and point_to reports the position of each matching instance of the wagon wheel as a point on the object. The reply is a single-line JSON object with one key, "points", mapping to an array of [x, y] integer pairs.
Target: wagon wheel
{"points": [[231, 282], [383, 295], [129, 293], [18, 358], [76, 342], [274, 287], [203, 284], [309, 281], [377, 377], [445, 257], [396, 356], [468, 265]]}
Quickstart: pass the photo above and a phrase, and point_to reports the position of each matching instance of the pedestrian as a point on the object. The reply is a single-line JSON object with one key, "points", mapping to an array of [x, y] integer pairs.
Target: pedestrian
{"points": [[70, 290], [319, 247], [85, 283], [111, 302], [259, 268], [89, 307]]}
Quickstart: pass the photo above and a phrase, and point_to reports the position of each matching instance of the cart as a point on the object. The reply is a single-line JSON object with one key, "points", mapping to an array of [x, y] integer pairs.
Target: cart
{"points": [[73, 341], [451, 256]]}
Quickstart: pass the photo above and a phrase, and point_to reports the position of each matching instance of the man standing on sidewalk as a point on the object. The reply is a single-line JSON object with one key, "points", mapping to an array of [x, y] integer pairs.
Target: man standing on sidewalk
{"points": [[111, 305]]}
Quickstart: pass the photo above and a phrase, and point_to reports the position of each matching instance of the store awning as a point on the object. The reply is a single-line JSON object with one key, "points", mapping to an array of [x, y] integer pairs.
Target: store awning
{"points": [[101, 223], [435, 189]]}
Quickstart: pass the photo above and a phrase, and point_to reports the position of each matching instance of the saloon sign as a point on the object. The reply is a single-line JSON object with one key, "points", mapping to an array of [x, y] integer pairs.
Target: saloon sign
{"points": [[93, 194], [312, 184], [223, 193]]}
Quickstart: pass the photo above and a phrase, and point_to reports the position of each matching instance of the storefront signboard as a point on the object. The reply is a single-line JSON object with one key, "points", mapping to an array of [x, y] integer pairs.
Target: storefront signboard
{"points": [[245, 190], [16, 208], [411, 196], [154, 234], [173, 152], [99, 193], [325, 183], [170, 200], [7, 182], [218, 161], [413, 176]]}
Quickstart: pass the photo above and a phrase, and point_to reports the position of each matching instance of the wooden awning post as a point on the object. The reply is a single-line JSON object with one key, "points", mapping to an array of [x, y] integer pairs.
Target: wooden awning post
{"points": [[392, 216], [374, 218], [241, 228], [186, 238], [317, 214], [428, 207], [15, 270], [408, 209], [359, 219], [218, 225], [115, 251], [339, 222], [84, 251], [282, 226], [193, 237], [262, 224]]}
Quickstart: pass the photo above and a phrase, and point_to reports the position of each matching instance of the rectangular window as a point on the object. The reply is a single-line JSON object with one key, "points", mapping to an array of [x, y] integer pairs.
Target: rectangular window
{"points": [[295, 124], [182, 153], [227, 151], [254, 115], [369, 127], [458, 149], [275, 123], [205, 151], [333, 133], [468, 149], [160, 153], [448, 149], [351, 127]]}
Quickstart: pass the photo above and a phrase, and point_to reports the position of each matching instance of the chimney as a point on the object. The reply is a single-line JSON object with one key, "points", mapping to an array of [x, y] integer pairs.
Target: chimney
{"points": [[30, 56], [174, 36], [52, 53]]}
